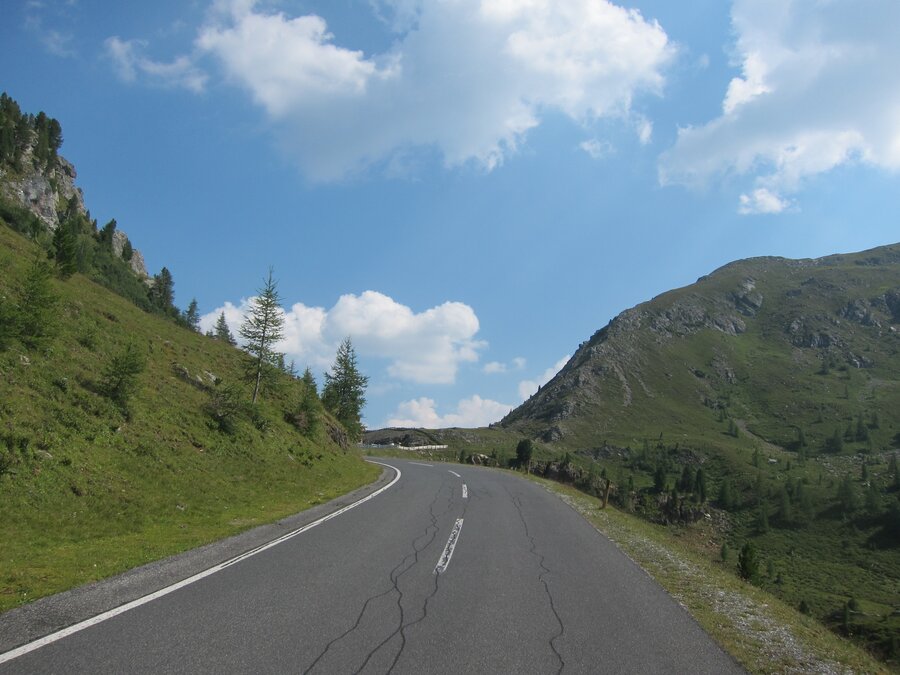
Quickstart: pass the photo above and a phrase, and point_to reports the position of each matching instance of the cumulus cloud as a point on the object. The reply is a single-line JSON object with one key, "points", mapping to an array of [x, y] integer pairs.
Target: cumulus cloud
{"points": [[130, 65], [814, 93], [467, 78], [426, 347], [529, 387], [470, 412], [762, 200]]}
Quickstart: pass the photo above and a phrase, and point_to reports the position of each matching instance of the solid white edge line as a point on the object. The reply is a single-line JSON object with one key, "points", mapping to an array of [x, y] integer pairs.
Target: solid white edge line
{"points": [[465, 491], [454, 473], [109, 614], [444, 561]]}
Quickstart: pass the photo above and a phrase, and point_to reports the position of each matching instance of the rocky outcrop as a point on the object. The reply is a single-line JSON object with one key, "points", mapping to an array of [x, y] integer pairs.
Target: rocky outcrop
{"points": [[48, 190], [42, 190]]}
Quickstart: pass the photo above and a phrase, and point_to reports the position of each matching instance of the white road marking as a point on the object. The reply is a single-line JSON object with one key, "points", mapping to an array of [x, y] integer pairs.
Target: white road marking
{"points": [[100, 618], [465, 491], [454, 473], [444, 560], [420, 464]]}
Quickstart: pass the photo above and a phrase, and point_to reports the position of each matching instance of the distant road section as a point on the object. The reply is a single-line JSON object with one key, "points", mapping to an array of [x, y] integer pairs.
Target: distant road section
{"points": [[460, 571]]}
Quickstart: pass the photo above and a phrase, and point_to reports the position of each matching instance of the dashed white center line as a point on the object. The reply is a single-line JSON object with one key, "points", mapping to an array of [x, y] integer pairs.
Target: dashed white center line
{"points": [[444, 560], [465, 491], [454, 473], [420, 464]]}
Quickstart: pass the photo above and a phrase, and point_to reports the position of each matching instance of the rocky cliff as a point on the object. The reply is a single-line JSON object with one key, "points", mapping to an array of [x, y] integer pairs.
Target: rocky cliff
{"points": [[45, 188]]}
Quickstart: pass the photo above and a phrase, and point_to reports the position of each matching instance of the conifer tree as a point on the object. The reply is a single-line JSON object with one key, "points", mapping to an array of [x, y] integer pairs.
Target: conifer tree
{"points": [[748, 562], [222, 332], [162, 294], [192, 316], [262, 328], [309, 381], [65, 249], [344, 392], [35, 318]]}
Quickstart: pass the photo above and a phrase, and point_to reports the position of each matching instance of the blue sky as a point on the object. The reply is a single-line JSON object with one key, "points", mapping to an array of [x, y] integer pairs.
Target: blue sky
{"points": [[467, 188]]}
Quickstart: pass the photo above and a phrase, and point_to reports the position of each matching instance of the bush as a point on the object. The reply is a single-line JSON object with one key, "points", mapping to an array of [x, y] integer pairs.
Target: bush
{"points": [[226, 406]]}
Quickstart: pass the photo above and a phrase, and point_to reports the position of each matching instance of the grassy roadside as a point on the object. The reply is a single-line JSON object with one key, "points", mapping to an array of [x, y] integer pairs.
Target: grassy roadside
{"points": [[761, 632], [90, 488]]}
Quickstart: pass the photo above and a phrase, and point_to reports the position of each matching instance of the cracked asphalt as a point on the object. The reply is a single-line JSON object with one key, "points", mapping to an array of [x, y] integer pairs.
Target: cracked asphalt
{"points": [[531, 588]]}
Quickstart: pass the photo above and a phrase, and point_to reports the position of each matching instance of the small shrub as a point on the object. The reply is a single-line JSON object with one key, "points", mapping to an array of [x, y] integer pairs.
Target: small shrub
{"points": [[120, 376], [226, 406]]}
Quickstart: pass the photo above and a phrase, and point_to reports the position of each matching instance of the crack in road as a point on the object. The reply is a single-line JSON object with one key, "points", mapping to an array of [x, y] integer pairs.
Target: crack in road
{"points": [[409, 561], [541, 577]]}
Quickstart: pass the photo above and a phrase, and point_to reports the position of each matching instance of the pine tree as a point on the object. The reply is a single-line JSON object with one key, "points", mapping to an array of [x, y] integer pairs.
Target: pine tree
{"points": [[65, 249], [262, 328], [35, 320], [748, 562], [344, 392], [192, 316], [726, 500], [162, 293], [862, 432], [846, 495], [700, 486], [309, 407], [309, 381], [785, 513], [222, 332], [524, 452]]}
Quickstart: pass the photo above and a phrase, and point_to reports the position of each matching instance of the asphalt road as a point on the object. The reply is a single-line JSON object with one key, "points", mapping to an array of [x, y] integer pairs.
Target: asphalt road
{"points": [[530, 587]]}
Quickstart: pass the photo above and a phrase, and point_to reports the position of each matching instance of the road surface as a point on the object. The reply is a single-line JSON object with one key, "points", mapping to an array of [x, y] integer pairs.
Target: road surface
{"points": [[451, 569]]}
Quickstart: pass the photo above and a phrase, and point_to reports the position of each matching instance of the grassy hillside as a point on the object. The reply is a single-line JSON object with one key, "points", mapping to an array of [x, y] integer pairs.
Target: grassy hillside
{"points": [[91, 486]]}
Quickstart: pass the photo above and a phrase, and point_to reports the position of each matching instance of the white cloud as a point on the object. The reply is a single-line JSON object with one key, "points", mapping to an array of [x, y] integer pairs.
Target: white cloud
{"points": [[815, 92], [130, 64], [529, 387], [470, 412], [644, 128], [762, 200], [38, 16], [496, 367], [467, 78], [427, 347], [596, 148]]}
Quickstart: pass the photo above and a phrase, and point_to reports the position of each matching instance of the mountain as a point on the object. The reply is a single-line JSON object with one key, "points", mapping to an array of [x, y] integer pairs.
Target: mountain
{"points": [[775, 345]]}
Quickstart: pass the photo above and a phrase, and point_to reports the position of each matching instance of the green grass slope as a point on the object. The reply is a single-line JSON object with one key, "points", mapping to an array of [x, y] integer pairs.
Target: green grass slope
{"points": [[89, 488]]}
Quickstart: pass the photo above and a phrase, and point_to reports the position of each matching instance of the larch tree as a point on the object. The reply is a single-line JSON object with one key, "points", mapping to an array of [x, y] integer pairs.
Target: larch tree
{"points": [[344, 392], [262, 328]]}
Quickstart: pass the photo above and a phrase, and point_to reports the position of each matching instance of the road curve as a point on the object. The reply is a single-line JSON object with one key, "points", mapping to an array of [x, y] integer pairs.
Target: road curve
{"points": [[453, 569]]}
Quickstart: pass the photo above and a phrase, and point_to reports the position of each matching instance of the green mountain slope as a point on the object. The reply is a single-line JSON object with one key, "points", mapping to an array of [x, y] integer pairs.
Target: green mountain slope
{"points": [[780, 345], [90, 486]]}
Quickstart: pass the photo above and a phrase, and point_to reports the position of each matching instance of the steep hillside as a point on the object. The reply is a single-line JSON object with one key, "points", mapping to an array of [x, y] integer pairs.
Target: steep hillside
{"points": [[777, 345], [97, 478]]}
